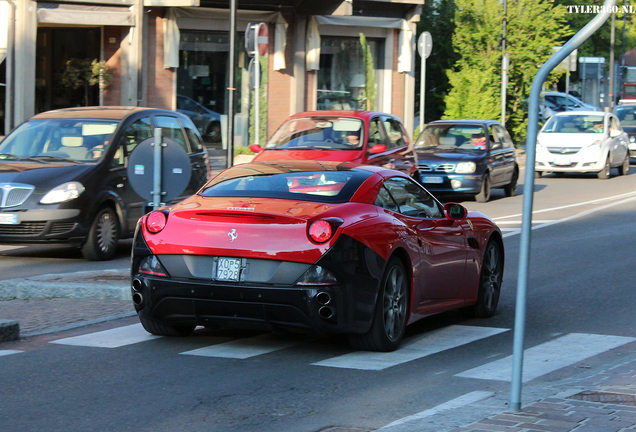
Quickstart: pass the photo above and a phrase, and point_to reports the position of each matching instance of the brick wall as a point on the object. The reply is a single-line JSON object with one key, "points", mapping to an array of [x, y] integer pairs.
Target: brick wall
{"points": [[398, 82], [160, 93], [280, 82], [112, 55]]}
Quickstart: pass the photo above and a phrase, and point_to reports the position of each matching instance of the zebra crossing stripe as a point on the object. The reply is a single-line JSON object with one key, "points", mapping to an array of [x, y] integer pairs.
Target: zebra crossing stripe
{"points": [[415, 348], [549, 356], [113, 338], [243, 348], [8, 352]]}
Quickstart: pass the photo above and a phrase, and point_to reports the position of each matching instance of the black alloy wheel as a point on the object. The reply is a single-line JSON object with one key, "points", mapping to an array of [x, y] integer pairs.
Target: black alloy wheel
{"points": [[489, 283], [389, 322], [101, 243], [484, 194]]}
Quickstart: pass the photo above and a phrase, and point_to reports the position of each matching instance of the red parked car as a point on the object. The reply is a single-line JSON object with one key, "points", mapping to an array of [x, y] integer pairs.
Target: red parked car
{"points": [[317, 246], [364, 137]]}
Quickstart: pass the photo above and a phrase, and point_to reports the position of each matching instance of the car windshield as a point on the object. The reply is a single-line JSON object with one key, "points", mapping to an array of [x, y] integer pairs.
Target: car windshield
{"points": [[58, 139], [453, 137], [575, 124], [627, 115], [333, 186], [318, 133]]}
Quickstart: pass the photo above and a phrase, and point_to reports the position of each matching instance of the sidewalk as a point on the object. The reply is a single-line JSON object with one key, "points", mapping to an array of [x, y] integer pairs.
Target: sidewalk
{"points": [[598, 400]]}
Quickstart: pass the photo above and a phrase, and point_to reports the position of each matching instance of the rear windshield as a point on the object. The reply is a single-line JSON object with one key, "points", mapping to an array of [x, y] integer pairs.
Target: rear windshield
{"points": [[318, 133], [51, 139], [627, 115], [317, 186], [575, 124]]}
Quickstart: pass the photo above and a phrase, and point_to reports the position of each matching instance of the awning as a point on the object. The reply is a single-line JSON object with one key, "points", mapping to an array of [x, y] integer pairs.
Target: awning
{"points": [[406, 40], [57, 13], [197, 18]]}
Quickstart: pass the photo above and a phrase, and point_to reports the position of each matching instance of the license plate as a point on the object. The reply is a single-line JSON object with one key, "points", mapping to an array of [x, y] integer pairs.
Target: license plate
{"points": [[8, 218], [560, 160], [430, 179], [228, 269]]}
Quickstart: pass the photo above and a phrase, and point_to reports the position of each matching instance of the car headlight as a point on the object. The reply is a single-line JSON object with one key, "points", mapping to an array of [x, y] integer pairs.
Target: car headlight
{"points": [[632, 139], [62, 193], [596, 145], [465, 168]]}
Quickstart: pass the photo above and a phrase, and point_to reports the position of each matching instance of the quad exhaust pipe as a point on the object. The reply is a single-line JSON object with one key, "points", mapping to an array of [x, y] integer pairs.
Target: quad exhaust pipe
{"points": [[137, 297], [323, 299]]}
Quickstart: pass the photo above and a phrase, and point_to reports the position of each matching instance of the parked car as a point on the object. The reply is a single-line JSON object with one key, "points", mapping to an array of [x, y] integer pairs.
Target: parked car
{"points": [[364, 137], [626, 113], [208, 122], [313, 246], [560, 102], [467, 157], [582, 141], [63, 177]]}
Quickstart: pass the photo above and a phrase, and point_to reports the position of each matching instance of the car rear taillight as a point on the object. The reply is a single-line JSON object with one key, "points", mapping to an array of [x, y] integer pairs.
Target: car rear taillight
{"points": [[156, 221], [321, 231]]}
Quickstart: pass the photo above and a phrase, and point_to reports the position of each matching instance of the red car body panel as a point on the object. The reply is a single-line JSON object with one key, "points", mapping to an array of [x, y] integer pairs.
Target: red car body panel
{"points": [[402, 158]]}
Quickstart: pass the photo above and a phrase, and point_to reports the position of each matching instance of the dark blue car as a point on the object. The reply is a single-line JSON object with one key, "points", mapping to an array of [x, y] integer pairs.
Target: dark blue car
{"points": [[467, 157]]}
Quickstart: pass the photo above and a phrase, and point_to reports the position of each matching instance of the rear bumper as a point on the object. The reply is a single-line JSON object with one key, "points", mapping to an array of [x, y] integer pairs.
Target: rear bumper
{"points": [[272, 303]]}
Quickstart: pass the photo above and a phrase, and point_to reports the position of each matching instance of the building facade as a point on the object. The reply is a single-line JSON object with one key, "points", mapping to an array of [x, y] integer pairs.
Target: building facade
{"points": [[174, 54]]}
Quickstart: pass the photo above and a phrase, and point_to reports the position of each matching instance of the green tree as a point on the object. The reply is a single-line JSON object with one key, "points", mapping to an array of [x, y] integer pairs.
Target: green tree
{"points": [[84, 73], [369, 73], [437, 18], [534, 28]]}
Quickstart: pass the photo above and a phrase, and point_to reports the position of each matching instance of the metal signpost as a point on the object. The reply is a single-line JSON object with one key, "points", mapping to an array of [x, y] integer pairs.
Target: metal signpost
{"points": [[424, 48], [256, 41], [528, 195]]}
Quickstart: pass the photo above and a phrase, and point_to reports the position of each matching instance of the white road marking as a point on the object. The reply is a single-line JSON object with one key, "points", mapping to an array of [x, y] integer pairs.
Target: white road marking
{"points": [[459, 402], [415, 348], [549, 356], [518, 222], [113, 338], [243, 348], [575, 216], [8, 352]]}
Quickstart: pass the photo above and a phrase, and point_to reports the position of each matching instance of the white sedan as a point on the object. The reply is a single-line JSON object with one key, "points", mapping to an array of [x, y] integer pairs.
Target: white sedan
{"points": [[582, 142]]}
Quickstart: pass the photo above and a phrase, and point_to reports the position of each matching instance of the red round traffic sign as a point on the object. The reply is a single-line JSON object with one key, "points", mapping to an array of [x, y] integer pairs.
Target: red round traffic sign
{"points": [[263, 34]]}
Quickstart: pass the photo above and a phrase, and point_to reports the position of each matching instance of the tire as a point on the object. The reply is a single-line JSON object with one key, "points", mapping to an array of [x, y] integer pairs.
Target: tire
{"points": [[101, 243], [389, 320], [604, 174], [162, 328], [538, 174], [624, 169], [484, 194], [490, 280], [511, 188]]}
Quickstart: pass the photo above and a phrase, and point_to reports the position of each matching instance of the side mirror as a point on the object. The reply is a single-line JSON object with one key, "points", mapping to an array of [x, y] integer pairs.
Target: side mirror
{"points": [[454, 211], [614, 133], [496, 146], [255, 148], [378, 148]]}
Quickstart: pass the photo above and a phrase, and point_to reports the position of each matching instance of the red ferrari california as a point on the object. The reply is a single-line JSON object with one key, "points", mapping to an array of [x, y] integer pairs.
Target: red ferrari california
{"points": [[325, 247]]}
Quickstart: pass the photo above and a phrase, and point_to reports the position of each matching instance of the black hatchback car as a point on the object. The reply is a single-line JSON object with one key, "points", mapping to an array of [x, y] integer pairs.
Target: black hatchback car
{"points": [[467, 157], [63, 175]]}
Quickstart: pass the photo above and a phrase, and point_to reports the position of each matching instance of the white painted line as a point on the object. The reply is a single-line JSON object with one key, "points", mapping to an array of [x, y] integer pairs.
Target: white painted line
{"points": [[519, 222], [575, 216], [243, 348], [113, 338], [413, 349], [459, 402], [549, 356], [8, 352], [596, 201]]}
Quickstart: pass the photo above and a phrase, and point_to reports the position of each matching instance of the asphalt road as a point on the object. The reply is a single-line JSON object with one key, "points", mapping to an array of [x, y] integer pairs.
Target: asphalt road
{"points": [[579, 315]]}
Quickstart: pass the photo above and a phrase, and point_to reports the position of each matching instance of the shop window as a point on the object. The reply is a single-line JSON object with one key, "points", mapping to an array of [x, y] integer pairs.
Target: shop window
{"points": [[341, 77]]}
